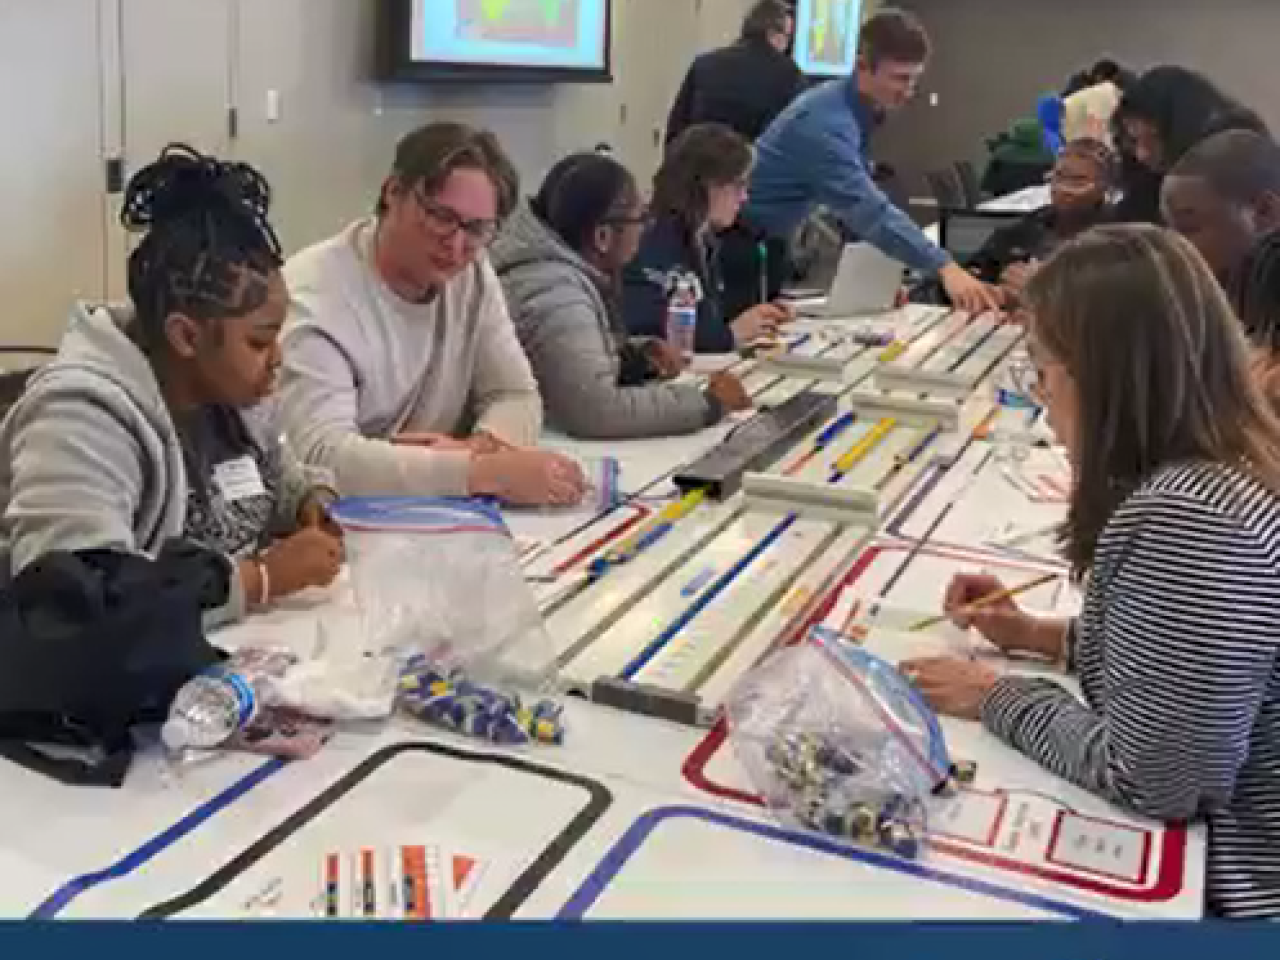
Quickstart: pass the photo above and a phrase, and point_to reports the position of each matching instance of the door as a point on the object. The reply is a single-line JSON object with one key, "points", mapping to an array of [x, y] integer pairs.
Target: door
{"points": [[52, 250]]}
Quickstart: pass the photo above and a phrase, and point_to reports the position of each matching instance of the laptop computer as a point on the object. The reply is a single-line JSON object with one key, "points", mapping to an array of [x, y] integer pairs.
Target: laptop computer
{"points": [[867, 282], [962, 233]]}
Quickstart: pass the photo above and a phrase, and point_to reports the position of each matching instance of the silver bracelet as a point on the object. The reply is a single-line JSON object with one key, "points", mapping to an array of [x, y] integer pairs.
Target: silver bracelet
{"points": [[264, 578]]}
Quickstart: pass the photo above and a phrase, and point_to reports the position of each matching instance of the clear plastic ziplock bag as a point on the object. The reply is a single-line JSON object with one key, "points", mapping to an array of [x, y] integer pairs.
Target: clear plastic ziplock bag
{"points": [[439, 580], [835, 740]]}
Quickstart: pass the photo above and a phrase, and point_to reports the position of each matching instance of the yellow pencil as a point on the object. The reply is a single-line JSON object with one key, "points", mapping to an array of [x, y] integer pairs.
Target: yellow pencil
{"points": [[864, 446], [892, 352], [986, 601]]}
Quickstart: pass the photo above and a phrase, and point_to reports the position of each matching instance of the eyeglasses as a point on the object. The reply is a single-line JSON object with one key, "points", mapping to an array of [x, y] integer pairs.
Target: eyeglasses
{"points": [[1071, 182], [641, 219], [444, 223]]}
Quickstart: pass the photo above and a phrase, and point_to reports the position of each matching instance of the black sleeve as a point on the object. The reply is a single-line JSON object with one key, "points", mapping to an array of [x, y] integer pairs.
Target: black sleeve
{"points": [[681, 115], [644, 299], [634, 367], [1001, 249], [714, 334], [791, 87]]}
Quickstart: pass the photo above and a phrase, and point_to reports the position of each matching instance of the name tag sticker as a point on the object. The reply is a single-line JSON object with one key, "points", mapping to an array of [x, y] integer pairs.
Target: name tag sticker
{"points": [[238, 479]]}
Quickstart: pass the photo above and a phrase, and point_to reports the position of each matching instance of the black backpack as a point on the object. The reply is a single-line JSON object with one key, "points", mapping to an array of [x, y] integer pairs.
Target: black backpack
{"points": [[95, 643]]}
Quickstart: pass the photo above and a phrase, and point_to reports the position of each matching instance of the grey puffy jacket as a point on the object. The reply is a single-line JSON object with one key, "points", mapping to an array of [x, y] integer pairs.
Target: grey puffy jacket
{"points": [[565, 326]]}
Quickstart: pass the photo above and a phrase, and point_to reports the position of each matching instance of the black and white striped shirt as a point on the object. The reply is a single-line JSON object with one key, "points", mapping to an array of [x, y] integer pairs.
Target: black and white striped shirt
{"points": [[1178, 653]]}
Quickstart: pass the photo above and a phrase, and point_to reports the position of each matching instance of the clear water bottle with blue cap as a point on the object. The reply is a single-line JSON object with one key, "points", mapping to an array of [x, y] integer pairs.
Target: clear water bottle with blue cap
{"points": [[682, 315], [215, 705], [1017, 410]]}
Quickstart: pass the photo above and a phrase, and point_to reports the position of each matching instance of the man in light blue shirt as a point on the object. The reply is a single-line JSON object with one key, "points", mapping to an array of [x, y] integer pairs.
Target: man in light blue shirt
{"points": [[817, 153]]}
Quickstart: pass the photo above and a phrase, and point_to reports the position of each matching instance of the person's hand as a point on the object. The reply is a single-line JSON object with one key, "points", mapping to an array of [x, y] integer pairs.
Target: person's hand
{"points": [[435, 441], [760, 323], [1266, 373], [479, 442], [482, 441], [528, 477], [951, 686], [967, 292], [664, 358], [1013, 281], [729, 391], [314, 512], [1016, 275], [1002, 621], [309, 558]]}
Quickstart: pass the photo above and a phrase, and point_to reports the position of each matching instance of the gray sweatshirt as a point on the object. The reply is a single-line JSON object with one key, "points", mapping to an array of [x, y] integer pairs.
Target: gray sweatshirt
{"points": [[90, 458], [362, 365], [567, 331]]}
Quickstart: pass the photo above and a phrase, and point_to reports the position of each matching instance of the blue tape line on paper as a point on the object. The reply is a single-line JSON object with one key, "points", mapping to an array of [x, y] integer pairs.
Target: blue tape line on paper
{"points": [[61, 898], [656, 645], [615, 860]]}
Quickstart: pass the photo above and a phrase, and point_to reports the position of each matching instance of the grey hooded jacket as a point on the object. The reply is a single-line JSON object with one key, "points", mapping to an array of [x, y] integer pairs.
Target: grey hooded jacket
{"points": [[574, 343], [90, 458]]}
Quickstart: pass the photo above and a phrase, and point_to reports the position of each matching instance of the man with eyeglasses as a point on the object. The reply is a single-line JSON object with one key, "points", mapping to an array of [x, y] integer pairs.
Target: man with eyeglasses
{"points": [[817, 154], [402, 373]]}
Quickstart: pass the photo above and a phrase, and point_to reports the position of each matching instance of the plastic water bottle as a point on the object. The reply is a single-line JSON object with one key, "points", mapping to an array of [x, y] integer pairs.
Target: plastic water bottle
{"points": [[682, 317], [1017, 413], [211, 707]]}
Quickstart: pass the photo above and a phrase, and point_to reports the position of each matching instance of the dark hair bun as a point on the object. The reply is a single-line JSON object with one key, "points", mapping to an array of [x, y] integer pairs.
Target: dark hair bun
{"points": [[184, 182]]}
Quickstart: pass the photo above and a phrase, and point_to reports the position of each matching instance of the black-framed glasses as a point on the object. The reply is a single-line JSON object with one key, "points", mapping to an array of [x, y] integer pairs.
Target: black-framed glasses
{"points": [[445, 223], [641, 219]]}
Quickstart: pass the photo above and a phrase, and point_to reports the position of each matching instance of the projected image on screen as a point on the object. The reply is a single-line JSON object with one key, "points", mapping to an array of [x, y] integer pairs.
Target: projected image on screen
{"points": [[565, 34], [545, 23], [827, 36]]}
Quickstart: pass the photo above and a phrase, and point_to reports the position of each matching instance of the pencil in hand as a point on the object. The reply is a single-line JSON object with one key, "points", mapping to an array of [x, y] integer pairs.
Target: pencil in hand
{"points": [[981, 602]]}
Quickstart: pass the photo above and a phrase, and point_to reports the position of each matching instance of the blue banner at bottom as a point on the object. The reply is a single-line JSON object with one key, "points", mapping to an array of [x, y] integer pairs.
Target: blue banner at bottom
{"points": [[564, 941]]}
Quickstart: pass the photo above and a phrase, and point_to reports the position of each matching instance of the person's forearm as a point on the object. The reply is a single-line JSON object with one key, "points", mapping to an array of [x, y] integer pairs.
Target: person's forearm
{"points": [[897, 236], [371, 467], [872, 216], [1048, 638], [514, 418]]}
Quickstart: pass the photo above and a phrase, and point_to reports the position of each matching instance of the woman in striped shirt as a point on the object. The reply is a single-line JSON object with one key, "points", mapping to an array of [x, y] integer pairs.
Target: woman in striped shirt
{"points": [[1174, 528]]}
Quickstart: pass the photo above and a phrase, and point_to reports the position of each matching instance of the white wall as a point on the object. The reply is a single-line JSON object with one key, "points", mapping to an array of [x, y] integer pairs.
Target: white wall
{"points": [[83, 79]]}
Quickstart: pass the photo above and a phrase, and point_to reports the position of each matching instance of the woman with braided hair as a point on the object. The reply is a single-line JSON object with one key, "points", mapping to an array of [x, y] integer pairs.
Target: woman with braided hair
{"points": [[149, 424]]}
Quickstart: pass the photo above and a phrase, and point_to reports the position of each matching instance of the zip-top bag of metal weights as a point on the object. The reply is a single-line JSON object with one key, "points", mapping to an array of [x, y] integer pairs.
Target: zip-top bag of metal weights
{"points": [[836, 741], [439, 579]]}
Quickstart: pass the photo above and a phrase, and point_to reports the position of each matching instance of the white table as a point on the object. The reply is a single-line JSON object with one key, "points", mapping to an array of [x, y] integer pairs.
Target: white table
{"points": [[1026, 200], [635, 816]]}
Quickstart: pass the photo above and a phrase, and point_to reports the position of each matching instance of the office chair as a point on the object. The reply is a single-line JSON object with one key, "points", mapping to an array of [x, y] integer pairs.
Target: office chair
{"points": [[946, 189], [969, 185]]}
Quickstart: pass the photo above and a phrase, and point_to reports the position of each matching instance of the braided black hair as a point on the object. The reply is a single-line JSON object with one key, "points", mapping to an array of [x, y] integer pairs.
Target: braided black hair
{"points": [[208, 245], [1257, 294]]}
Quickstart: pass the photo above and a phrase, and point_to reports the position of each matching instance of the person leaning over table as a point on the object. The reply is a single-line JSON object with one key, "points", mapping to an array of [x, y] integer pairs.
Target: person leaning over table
{"points": [[1257, 298], [697, 193], [1162, 115], [817, 152], [560, 260], [402, 371], [1224, 196], [1174, 532], [149, 426]]}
